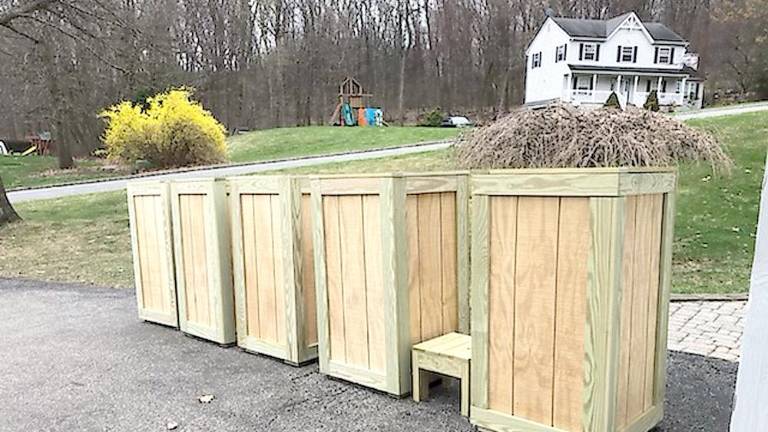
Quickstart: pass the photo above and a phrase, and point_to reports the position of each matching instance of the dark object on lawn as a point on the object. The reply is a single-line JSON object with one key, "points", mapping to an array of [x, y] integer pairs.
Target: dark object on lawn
{"points": [[613, 101], [15, 145], [7, 212], [652, 102], [561, 136]]}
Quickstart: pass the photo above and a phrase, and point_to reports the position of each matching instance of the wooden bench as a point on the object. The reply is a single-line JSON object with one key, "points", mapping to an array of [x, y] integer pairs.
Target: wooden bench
{"points": [[446, 355]]}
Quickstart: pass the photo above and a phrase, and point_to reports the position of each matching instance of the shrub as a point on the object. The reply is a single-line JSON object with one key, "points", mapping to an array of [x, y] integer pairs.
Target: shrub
{"points": [[613, 101], [433, 118], [652, 102], [562, 136], [172, 131]]}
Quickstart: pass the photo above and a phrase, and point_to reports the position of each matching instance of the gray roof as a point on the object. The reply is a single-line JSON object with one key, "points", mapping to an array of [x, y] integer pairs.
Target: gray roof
{"points": [[592, 28]]}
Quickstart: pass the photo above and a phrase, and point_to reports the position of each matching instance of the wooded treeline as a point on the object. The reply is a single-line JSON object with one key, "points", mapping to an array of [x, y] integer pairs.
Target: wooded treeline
{"points": [[264, 63]]}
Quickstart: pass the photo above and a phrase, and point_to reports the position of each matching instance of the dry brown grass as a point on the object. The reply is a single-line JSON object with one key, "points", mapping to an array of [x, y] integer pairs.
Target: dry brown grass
{"points": [[562, 136]]}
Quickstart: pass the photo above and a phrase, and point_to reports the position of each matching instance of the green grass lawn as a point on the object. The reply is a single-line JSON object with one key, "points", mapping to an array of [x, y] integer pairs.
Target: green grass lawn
{"points": [[86, 238], [18, 171], [316, 140]]}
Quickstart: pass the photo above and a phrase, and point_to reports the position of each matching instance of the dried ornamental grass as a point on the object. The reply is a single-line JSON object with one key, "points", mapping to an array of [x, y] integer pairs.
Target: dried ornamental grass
{"points": [[561, 136]]}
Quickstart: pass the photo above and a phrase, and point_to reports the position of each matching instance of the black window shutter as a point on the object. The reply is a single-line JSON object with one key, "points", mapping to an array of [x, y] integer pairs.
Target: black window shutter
{"points": [[565, 52], [656, 56], [618, 54], [597, 52], [581, 51], [672, 56], [663, 86], [647, 86], [556, 49], [634, 55], [575, 80], [592, 83]]}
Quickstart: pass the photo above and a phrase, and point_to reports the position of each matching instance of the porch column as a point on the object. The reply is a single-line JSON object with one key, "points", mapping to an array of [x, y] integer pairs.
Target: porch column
{"points": [[682, 90], [567, 91], [594, 87], [634, 91], [658, 86]]}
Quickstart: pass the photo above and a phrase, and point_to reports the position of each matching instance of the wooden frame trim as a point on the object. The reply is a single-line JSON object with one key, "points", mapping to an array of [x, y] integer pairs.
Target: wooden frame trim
{"points": [[602, 331], [136, 189], [647, 421], [321, 281], [587, 183], [665, 283], [395, 284], [463, 254], [361, 376], [495, 421], [479, 303]]}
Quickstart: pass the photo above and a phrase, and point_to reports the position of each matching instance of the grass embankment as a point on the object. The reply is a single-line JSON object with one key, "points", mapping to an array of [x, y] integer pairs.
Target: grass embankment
{"points": [[318, 140], [270, 144], [25, 171], [86, 238]]}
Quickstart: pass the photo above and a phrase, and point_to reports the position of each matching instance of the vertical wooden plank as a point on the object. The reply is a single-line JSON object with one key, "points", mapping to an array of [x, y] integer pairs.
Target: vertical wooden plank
{"points": [[374, 283], [448, 262], [640, 308], [290, 200], [141, 247], [414, 277], [353, 279], [535, 307], [430, 265], [395, 284], [265, 266], [308, 270], [321, 276], [199, 230], [462, 251], [665, 282], [158, 242], [654, 251], [501, 298], [250, 270], [153, 246], [188, 248], [628, 259], [602, 333], [571, 313], [334, 287], [279, 283], [479, 301]]}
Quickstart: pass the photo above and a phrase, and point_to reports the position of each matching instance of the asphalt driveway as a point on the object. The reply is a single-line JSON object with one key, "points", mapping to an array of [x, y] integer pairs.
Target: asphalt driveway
{"points": [[77, 358]]}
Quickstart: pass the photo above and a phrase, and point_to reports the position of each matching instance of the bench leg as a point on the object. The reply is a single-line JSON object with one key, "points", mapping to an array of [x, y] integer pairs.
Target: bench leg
{"points": [[465, 391], [420, 382]]}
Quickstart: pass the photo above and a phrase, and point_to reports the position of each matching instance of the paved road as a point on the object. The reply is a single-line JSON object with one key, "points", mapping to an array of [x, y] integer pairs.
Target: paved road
{"points": [[724, 111], [76, 358], [256, 167]]}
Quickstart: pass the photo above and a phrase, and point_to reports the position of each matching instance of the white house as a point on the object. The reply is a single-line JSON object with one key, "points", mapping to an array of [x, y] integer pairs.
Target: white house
{"points": [[582, 61]]}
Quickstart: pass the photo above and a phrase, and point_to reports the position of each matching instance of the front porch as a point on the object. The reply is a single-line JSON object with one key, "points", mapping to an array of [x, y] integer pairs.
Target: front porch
{"points": [[595, 88]]}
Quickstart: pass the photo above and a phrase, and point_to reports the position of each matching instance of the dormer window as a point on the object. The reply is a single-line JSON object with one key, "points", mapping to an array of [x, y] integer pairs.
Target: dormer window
{"points": [[664, 55], [560, 53], [627, 54], [589, 52], [536, 60]]}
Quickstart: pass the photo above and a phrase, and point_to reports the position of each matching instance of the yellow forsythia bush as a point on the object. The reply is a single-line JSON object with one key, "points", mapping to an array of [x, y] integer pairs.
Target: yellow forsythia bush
{"points": [[173, 131]]}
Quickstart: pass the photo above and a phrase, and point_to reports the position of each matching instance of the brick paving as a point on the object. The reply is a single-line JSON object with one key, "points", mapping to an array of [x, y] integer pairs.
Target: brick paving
{"points": [[709, 328]]}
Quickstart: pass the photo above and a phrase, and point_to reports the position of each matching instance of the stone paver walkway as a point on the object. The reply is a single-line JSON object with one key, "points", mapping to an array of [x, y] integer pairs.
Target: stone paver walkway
{"points": [[709, 328]]}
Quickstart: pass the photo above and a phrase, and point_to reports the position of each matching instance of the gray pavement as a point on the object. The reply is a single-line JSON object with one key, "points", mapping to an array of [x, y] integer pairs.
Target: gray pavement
{"points": [[709, 328], [76, 358], [723, 111], [223, 171]]}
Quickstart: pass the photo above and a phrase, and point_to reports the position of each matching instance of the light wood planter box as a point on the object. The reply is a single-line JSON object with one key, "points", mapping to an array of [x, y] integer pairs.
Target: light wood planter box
{"points": [[570, 294], [391, 262], [149, 211], [274, 266], [203, 259]]}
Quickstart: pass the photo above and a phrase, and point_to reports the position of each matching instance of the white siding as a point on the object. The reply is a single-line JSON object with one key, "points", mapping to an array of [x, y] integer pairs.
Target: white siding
{"points": [[547, 82]]}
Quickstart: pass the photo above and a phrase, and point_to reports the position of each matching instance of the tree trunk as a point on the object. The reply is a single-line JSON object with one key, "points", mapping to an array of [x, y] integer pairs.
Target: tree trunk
{"points": [[7, 213]]}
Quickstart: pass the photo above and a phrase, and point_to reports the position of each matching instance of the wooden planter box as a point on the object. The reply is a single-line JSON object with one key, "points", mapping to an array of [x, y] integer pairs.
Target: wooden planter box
{"points": [[570, 294], [390, 263], [149, 211], [274, 266], [203, 259]]}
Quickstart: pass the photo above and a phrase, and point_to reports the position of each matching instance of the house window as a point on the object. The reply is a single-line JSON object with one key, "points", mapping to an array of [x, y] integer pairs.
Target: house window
{"points": [[627, 54], [664, 55], [536, 60], [590, 52], [560, 53]]}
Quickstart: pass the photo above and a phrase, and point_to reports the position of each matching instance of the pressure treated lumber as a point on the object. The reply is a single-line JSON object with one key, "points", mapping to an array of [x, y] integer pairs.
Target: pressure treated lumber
{"points": [[273, 266], [570, 281]]}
